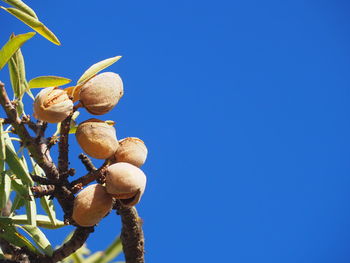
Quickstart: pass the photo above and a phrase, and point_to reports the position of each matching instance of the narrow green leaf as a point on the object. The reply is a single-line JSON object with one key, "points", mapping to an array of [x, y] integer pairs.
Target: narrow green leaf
{"points": [[17, 166], [5, 190], [39, 238], [22, 190], [77, 257], [31, 210], [14, 76], [22, 6], [2, 142], [111, 252], [41, 221], [34, 24], [30, 94], [49, 208], [17, 71], [24, 162], [7, 139], [37, 170], [17, 203], [96, 68], [10, 234], [47, 81], [94, 257], [12, 46]]}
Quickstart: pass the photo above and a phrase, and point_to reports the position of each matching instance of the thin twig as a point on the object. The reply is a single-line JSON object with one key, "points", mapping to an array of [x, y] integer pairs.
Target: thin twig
{"points": [[42, 190], [91, 176], [40, 179], [90, 167], [132, 234]]}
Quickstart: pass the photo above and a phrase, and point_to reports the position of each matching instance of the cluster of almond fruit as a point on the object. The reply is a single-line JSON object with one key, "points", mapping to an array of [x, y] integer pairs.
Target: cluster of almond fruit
{"points": [[124, 179]]}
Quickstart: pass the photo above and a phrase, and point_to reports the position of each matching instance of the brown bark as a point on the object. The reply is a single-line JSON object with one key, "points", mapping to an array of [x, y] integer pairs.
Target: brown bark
{"points": [[132, 234]]}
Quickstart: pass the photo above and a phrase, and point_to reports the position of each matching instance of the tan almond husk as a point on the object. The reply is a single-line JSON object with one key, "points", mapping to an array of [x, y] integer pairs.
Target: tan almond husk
{"points": [[131, 150], [101, 93], [97, 138], [126, 182], [91, 205], [52, 105]]}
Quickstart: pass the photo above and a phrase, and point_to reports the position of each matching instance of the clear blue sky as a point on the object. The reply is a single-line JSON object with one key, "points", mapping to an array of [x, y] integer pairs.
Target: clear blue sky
{"points": [[244, 107]]}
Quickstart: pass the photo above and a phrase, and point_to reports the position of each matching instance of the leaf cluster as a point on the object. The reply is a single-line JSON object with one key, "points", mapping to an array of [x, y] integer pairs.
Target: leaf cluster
{"points": [[18, 165]]}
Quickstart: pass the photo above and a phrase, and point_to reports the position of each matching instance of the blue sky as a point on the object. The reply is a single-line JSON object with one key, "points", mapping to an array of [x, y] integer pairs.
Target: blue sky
{"points": [[244, 107]]}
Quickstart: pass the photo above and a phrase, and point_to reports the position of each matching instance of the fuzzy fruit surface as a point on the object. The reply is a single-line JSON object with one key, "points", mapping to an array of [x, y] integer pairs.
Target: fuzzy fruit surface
{"points": [[125, 181], [91, 205], [100, 94], [52, 105], [131, 150], [97, 138]]}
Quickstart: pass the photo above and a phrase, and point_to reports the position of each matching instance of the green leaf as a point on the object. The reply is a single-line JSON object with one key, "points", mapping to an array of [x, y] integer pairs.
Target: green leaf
{"points": [[5, 190], [22, 6], [12, 46], [22, 190], [111, 252], [16, 165], [31, 210], [47, 81], [41, 221], [30, 93], [77, 257], [24, 162], [96, 68], [7, 139], [94, 257], [2, 141], [17, 203], [49, 208], [10, 234], [34, 24], [39, 238], [37, 170], [18, 73]]}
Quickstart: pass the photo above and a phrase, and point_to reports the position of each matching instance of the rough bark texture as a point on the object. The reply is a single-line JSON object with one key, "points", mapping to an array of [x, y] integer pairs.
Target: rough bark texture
{"points": [[132, 234]]}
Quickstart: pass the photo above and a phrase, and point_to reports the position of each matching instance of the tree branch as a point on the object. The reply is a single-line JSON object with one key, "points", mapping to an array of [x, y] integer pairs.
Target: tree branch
{"points": [[42, 190], [77, 240], [63, 146], [90, 167], [90, 177], [38, 150], [132, 234]]}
